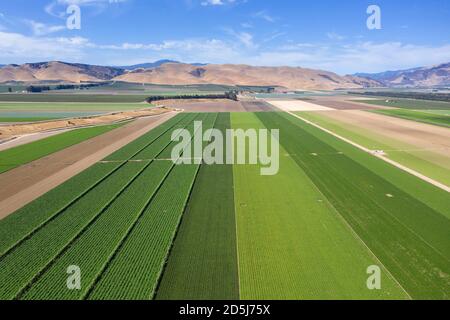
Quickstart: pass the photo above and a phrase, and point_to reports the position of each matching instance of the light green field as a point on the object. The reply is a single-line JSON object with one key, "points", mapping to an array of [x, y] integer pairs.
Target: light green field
{"points": [[408, 103], [69, 106], [429, 163], [17, 156], [292, 244], [440, 119]]}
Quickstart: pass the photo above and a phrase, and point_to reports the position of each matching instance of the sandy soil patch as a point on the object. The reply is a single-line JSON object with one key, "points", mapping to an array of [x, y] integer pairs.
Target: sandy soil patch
{"points": [[32, 180], [298, 105], [343, 103], [12, 130]]}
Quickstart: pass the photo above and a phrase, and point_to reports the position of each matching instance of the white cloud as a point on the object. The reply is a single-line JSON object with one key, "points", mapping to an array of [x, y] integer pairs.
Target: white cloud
{"points": [[40, 29], [16, 47], [338, 57], [216, 2], [335, 36], [57, 8], [264, 15]]}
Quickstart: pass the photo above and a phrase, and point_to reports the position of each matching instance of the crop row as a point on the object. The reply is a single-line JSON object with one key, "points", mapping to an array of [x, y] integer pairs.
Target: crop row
{"points": [[52, 203], [98, 243], [145, 140], [35, 215], [17, 226], [202, 263], [62, 230], [118, 219], [406, 235], [134, 271], [31, 256]]}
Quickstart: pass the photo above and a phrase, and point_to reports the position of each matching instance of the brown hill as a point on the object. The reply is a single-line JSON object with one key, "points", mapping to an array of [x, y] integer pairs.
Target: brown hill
{"points": [[227, 74], [57, 71], [181, 74]]}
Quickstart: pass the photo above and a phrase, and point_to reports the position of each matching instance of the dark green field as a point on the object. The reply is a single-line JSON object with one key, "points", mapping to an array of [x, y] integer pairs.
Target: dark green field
{"points": [[420, 116]]}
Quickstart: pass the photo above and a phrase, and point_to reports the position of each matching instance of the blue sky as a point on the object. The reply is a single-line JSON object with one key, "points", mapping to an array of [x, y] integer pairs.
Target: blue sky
{"points": [[323, 34]]}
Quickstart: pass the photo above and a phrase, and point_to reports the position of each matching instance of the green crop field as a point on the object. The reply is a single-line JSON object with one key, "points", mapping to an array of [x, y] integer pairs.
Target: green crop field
{"points": [[141, 227], [17, 156], [408, 103], [420, 116], [70, 106], [73, 98]]}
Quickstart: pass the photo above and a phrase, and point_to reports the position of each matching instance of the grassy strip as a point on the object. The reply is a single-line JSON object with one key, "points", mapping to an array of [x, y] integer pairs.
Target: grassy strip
{"points": [[135, 269], [427, 162], [203, 262], [33, 254], [410, 238], [291, 242], [17, 156], [425, 117]]}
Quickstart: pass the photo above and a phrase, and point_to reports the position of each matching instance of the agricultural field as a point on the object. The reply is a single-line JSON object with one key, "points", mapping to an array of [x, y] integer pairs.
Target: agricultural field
{"points": [[435, 117], [413, 104], [199, 231], [22, 154], [412, 149], [60, 108]]}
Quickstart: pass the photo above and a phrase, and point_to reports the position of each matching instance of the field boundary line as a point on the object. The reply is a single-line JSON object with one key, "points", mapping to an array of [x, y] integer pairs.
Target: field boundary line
{"points": [[379, 156]]}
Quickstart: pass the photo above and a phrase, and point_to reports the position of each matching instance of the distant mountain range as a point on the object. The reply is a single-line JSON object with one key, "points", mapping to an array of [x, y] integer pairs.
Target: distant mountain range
{"points": [[438, 75], [174, 72]]}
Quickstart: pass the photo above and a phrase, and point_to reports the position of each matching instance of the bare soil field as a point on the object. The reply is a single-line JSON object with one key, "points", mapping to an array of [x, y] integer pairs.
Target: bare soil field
{"points": [[11, 130], [25, 183], [420, 135], [257, 106], [343, 103], [203, 105]]}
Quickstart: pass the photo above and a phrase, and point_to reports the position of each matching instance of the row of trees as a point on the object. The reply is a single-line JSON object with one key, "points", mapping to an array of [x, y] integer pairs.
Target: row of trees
{"points": [[43, 88], [231, 95]]}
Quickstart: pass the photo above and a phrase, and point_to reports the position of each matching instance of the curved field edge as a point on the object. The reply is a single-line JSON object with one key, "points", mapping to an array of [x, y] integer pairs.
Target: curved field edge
{"points": [[203, 261], [425, 192], [16, 156], [407, 236], [292, 244]]}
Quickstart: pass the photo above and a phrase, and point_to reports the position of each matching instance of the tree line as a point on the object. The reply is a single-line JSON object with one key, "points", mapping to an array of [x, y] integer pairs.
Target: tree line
{"points": [[231, 95]]}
